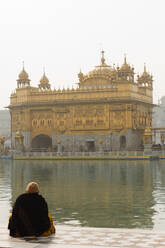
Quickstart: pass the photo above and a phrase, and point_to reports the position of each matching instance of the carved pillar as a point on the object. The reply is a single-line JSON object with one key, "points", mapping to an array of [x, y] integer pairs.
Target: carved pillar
{"points": [[162, 139], [101, 145], [147, 141], [19, 141], [59, 147]]}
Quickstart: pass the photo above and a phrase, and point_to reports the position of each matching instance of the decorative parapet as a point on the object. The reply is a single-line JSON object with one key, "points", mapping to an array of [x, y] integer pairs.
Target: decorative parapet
{"points": [[32, 95]]}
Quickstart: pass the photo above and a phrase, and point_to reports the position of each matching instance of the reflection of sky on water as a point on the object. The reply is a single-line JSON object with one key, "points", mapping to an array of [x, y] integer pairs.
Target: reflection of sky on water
{"points": [[124, 194], [159, 194]]}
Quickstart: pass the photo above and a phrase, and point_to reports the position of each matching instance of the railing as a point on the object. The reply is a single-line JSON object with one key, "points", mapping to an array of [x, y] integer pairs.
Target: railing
{"points": [[42, 153]]}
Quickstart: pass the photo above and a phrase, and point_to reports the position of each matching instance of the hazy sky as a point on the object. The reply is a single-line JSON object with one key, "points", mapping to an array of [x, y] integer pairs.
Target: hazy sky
{"points": [[66, 35]]}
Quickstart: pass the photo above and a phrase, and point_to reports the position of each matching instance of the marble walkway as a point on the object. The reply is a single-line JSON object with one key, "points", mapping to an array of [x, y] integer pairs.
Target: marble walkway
{"points": [[83, 237]]}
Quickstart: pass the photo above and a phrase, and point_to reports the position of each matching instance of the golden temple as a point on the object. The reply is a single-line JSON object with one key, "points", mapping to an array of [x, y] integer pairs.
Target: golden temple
{"points": [[109, 110]]}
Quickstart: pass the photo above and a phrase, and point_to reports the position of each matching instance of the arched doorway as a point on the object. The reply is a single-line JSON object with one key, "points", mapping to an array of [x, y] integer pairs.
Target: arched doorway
{"points": [[42, 141], [90, 145], [122, 142]]}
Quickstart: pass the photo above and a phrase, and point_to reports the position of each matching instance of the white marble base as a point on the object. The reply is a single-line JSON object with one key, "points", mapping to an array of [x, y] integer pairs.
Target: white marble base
{"points": [[85, 237]]}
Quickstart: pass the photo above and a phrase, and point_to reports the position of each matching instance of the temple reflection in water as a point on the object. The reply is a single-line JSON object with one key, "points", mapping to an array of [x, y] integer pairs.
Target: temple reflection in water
{"points": [[110, 194]]}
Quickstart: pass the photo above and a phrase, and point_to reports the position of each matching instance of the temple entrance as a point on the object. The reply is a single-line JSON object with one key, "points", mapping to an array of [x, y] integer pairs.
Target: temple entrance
{"points": [[90, 145], [41, 142], [122, 142]]}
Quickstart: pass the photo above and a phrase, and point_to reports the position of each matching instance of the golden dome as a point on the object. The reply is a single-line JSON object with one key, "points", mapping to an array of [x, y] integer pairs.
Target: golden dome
{"points": [[101, 76], [23, 79], [23, 74], [125, 66], [44, 80], [102, 69], [145, 75]]}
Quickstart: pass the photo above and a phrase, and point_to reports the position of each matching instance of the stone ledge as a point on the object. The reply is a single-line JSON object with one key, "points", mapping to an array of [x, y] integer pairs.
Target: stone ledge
{"points": [[88, 237]]}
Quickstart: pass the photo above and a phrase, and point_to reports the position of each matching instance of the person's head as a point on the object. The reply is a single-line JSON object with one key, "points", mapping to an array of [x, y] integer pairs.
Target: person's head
{"points": [[32, 187]]}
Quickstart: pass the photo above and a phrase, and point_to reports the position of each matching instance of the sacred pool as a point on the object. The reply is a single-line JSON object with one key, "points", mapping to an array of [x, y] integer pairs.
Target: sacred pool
{"points": [[114, 194]]}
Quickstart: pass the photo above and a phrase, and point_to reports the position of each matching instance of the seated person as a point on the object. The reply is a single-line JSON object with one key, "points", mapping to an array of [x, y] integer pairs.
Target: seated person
{"points": [[30, 215]]}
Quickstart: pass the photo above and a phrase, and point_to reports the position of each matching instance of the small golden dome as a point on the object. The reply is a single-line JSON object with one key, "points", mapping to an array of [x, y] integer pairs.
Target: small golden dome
{"points": [[145, 75], [23, 79], [80, 76], [44, 79], [125, 66], [23, 74], [44, 82]]}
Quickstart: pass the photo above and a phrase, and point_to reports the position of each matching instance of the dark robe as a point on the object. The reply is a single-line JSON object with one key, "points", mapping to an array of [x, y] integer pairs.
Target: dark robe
{"points": [[29, 216]]}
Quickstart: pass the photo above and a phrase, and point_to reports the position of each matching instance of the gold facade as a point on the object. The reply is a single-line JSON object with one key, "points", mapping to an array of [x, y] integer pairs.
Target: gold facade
{"points": [[107, 100]]}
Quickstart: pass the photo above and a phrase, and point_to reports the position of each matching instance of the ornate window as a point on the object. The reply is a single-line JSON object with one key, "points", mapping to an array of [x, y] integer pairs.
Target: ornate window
{"points": [[34, 123], [89, 122], [42, 122], [78, 123], [49, 122], [100, 122]]}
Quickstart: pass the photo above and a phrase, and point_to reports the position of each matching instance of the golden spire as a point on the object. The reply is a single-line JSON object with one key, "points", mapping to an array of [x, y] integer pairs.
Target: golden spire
{"points": [[23, 74], [145, 73], [102, 58], [80, 73], [80, 76], [125, 59], [125, 66]]}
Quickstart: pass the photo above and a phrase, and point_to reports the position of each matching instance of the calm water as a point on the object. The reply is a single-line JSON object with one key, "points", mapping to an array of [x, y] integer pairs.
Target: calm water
{"points": [[127, 194]]}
